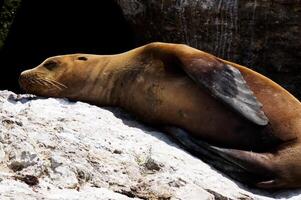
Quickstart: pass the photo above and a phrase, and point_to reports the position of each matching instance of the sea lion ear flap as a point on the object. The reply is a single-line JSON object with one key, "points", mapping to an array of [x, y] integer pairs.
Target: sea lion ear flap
{"points": [[225, 83]]}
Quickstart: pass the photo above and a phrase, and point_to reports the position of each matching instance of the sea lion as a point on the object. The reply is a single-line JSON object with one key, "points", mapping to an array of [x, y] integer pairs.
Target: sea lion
{"points": [[234, 118]]}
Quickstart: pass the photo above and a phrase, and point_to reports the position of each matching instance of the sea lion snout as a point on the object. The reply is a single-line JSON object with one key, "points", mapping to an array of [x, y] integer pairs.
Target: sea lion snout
{"points": [[38, 82], [23, 79]]}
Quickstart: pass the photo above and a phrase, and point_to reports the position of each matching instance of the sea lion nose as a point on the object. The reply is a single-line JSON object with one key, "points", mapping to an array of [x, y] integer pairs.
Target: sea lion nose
{"points": [[22, 78], [22, 75]]}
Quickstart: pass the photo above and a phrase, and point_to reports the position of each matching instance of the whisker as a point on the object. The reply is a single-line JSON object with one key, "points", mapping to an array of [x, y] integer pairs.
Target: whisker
{"points": [[50, 84], [56, 82], [34, 81], [42, 82], [39, 78], [45, 82]]}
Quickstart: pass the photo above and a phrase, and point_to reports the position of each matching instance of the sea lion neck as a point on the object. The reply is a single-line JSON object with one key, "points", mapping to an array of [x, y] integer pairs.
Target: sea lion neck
{"points": [[102, 83]]}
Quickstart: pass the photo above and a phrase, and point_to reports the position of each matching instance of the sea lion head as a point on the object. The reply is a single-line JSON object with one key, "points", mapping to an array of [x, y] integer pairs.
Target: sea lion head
{"points": [[59, 76]]}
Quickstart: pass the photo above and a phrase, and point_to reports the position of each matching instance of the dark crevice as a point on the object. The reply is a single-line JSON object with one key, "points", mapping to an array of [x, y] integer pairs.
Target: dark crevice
{"points": [[53, 27]]}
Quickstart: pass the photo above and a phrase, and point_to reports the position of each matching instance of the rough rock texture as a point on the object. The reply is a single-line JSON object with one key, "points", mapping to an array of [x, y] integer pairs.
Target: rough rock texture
{"points": [[261, 34], [57, 149]]}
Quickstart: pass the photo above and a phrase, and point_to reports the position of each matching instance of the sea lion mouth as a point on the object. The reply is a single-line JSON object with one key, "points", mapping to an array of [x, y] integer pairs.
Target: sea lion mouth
{"points": [[38, 83]]}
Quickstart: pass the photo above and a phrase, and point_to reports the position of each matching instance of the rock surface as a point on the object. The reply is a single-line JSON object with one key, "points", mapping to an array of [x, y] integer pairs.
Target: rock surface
{"points": [[57, 149], [261, 34]]}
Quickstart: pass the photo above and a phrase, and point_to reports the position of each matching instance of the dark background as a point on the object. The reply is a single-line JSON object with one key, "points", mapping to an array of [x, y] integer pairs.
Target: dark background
{"points": [[44, 28]]}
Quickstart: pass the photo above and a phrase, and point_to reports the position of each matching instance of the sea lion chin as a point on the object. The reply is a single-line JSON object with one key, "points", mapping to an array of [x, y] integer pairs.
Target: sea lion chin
{"points": [[234, 118]]}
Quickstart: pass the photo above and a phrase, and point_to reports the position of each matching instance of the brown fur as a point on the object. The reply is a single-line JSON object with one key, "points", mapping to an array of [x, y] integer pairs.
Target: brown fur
{"points": [[149, 83]]}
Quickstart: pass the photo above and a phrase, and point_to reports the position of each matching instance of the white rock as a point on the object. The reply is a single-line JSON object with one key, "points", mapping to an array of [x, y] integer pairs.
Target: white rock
{"points": [[56, 149]]}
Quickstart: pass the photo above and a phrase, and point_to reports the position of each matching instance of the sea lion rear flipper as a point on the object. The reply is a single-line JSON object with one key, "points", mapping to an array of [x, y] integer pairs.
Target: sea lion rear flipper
{"points": [[225, 83], [244, 166]]}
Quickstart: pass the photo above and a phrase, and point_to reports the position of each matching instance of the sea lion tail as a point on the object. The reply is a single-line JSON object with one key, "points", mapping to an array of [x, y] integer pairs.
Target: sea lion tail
{"points": [[245, 166]]}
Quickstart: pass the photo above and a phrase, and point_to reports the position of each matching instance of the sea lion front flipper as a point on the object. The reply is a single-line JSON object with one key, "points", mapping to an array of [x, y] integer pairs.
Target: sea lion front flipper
{"points": [[271, 184], [222, 80], [247, 167], [227, 84]]}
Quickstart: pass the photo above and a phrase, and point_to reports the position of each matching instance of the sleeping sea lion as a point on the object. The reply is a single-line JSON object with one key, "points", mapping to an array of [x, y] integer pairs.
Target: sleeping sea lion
{"points": [[234, 118]]}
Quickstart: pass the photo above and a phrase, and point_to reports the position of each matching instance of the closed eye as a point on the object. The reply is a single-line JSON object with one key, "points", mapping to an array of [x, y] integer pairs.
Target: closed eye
{"points": [[50, 64]]}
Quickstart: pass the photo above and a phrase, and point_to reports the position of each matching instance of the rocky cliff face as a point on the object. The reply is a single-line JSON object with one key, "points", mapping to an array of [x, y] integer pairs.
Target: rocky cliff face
{"points": [[56, 149], [264, 35]]}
